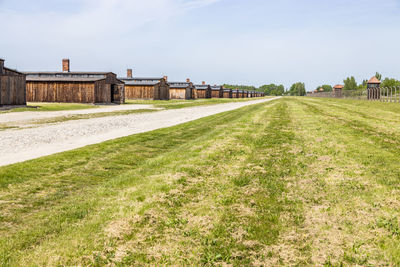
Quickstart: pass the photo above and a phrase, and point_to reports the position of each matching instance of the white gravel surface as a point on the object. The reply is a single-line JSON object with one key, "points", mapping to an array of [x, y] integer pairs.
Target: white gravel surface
{"points": [[25, 144], [37, 115]]}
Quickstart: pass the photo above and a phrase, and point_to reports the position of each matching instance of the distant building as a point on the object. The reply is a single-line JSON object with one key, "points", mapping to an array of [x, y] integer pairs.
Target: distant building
{"points": [[182, 90], [203, 90], [151, 88], [12, 86], [337, 91], [74, 87]]}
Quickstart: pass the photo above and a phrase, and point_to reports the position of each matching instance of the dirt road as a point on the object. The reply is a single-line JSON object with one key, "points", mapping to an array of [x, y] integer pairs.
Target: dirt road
{"points": [[30, 143]]}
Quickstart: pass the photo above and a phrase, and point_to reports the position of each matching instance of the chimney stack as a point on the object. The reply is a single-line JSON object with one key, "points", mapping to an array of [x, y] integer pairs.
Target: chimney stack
{"points": [[166, 78], [188, 80], [203, 83], [129, 73], [1, 65], [65, 65]]}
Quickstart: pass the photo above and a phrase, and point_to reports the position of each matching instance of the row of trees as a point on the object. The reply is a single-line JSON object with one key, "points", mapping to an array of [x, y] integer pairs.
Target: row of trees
{"points": [[350, 83], [273, 89]]}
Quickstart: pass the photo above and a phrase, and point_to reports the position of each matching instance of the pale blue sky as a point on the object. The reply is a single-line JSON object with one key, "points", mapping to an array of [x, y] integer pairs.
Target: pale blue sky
{"points": [[234, 41]]}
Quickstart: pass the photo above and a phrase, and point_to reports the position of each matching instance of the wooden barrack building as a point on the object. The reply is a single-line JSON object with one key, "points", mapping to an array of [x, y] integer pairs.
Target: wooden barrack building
{"points": [[74, 87], [145, 88], [12, 86], [203, 90], [182, 90], [227, 93], [217, 91]]}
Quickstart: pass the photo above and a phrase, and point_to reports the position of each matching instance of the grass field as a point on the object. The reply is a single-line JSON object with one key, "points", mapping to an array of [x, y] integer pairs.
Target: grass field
{"points": [[172, 104], [296, 181], [51, 107], [177, 104]]}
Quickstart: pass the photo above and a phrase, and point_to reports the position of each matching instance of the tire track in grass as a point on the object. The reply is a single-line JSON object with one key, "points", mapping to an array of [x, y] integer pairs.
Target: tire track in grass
{"points": [[260, 186], [351, 188], [74, 219]]}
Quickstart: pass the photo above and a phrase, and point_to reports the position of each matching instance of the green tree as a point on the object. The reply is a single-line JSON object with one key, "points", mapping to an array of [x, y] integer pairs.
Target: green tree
{"points": [[378, 76], [298, 89], [240, 87], [389, 82], [326, 87], [272, 89], [350, 83]]}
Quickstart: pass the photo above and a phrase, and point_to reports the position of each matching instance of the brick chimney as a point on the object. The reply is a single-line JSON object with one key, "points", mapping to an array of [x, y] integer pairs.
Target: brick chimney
{"points": [[166, 78], [129, 73], [1, 65], [65, 65], [188, 80], [203, 83]]}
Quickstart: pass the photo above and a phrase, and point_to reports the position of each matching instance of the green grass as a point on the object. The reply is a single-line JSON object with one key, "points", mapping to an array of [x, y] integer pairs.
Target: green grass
{"points": [[91, 116], [51, 107], [296, 181], [177, 104]]}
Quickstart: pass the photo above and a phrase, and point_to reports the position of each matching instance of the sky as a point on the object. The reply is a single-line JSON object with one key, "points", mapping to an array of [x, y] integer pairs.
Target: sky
{"points": [[251, 42]]}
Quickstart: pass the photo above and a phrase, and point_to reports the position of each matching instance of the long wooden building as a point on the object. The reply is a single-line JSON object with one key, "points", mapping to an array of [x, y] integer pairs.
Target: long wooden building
{"points": [[12, 86], [145, 88], [74, 87], [182, 90], [217, 91], [235, 93], [227, 93], [203, 90]]}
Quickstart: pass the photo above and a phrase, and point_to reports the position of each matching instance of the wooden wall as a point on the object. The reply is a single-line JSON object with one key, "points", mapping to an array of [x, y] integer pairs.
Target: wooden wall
{"points": [[12, 89], [76, 92], [161, 91], [177, 93], [102, 92], [201, 93], [215, 94], [227, 94], [139, 92]]}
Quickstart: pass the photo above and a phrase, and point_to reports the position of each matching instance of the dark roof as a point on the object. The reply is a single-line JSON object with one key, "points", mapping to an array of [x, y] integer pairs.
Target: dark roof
{"points": [[62, 79], [202, 87], [216, 87], [12, 70], [141, 81], [178, 84], [61, 73], [67, 76]]}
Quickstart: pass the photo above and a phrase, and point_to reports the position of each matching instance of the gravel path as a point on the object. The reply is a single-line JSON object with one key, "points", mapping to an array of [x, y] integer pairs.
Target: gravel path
{"points": [[37, 115], [21, 145]]}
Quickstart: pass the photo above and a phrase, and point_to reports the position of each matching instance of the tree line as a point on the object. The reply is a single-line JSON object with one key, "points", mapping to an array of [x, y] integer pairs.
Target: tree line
{"points": [[299, 88]]}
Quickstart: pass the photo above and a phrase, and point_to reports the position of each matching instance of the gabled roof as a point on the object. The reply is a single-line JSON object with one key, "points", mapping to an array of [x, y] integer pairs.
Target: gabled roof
{"points": [[374, 80], [66, 76], [216, 87], [12, 70], [338, 86], [178, 84], [62, 79], [141, 81], [202, 87]]}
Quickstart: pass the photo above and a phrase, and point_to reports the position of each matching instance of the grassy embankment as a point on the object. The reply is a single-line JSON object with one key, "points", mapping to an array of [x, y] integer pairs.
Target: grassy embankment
{"points": [[294, 181], [177, 104], [51, 107], [172, 104]]}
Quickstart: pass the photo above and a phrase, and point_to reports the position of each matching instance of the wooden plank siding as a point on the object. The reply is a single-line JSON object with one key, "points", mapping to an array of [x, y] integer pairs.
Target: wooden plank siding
{"points": [[12, 86], [69, 92], [182, 91], [227, 93], [139, 92]]}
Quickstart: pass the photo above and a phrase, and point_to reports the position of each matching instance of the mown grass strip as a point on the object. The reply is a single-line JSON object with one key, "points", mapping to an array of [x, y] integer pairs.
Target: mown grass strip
{"points": [[57, 192]]}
